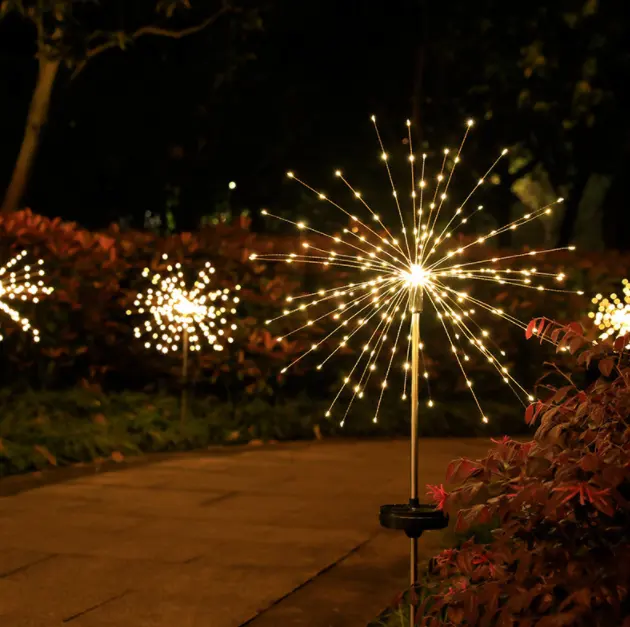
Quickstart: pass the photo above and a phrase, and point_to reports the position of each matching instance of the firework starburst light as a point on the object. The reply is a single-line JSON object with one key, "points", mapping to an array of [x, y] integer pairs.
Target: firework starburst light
{"points": [[23, 284], [404, 269], [180, 317], [613, 313]]}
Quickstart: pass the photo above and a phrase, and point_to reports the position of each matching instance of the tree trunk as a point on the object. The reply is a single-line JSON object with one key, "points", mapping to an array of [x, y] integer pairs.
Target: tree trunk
{"points": [[572, 207], [37, 114]]}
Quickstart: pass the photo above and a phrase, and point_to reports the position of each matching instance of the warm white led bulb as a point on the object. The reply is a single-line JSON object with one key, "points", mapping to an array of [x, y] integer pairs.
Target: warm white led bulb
{"points": [[416, 276], [178, 313], [395, 261], [22, 284]]}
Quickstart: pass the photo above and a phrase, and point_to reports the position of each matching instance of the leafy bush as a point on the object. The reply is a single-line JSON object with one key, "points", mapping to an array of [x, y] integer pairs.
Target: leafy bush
{"points": [[39, 429], [560, 554], [60, 427], [87, 336]]}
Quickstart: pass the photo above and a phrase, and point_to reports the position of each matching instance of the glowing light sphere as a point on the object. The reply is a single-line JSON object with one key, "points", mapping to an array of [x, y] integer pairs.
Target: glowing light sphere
{"points": [[397, 263], [179, 317], [613, 313], [23, 284]]}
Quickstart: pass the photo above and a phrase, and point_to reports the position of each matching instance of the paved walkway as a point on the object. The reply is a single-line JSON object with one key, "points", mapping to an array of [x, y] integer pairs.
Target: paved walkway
{"points": [[283, 536]]}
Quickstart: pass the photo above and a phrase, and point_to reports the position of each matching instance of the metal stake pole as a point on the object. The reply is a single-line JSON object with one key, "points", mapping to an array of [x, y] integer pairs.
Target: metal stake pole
{"points": [[413, 518], [416, 309], [184, 399]]}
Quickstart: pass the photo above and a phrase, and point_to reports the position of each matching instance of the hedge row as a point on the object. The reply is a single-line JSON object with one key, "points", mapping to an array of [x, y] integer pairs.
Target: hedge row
{"points": [[87, 336]]}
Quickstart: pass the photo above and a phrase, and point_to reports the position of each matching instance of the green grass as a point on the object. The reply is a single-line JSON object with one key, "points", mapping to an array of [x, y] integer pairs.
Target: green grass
{"points": [[39, 429]]}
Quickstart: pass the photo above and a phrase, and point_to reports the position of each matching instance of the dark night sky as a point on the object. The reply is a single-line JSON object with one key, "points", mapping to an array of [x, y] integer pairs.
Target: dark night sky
{"points": [[138, 120]]}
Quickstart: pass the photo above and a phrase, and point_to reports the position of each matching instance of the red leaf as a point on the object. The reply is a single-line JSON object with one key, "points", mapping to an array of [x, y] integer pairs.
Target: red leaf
{"points": [[564, 619], [461, 524], [464, 562], [530, 328], [590, 463], [606, 366], [621, 342], [476, 515], [561, 393], [537, 407], [461, 469], [438, 495], [575, 344], [455, 615], [529, 414]]}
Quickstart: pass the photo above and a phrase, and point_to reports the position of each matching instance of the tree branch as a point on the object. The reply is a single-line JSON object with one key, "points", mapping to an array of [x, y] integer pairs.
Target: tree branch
{"points": [[120, 38]]}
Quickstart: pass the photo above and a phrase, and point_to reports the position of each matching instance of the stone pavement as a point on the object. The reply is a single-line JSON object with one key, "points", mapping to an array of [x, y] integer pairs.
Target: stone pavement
{"points": [[282, 536]]}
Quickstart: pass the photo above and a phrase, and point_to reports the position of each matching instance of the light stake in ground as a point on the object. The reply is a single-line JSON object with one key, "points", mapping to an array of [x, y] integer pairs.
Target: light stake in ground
{"points": [[401, 270], [179, 317], [21, 285]]}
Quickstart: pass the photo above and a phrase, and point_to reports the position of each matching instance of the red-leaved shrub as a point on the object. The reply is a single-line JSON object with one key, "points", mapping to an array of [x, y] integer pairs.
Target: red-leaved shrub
{"points": [[559, 505], [86, 334], [87, 338]]}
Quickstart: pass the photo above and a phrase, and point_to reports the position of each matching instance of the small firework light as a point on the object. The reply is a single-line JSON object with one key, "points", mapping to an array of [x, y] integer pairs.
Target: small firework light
{"points": [[613, 313], [25, 283], [402, 270], [178, 317], [405, 269]]}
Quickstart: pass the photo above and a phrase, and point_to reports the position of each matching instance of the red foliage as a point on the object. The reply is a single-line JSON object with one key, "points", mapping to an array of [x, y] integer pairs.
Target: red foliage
{"points": [[86, 334], [560, 553], [85, 331], [438, 494]]}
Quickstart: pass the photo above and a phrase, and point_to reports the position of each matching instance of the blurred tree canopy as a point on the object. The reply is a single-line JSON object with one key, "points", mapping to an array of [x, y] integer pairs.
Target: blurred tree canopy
{"points": [[549, 82], [166, 126]]}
